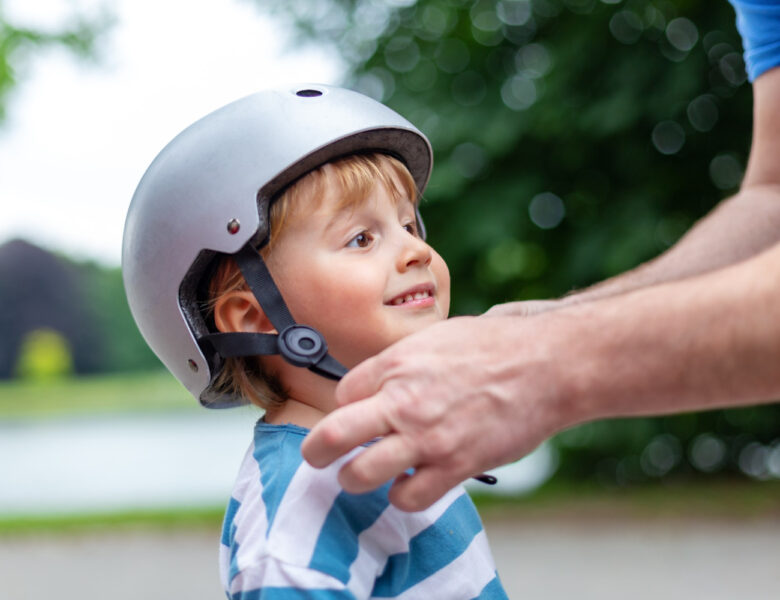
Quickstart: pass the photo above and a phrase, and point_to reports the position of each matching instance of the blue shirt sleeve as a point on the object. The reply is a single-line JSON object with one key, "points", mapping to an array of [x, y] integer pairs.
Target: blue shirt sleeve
{"points": [[758, 22]]}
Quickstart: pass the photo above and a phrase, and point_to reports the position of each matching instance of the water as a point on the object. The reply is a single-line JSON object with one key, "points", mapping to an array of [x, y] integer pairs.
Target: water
{"points": [[151, 461]]}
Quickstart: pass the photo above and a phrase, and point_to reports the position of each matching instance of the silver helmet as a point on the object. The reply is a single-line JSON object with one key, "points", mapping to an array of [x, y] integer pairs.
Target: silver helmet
{"points": [[209, 191]]}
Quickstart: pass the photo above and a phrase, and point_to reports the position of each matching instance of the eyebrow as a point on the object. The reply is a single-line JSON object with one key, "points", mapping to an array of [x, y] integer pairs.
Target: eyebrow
{"points": [[338, 216]]}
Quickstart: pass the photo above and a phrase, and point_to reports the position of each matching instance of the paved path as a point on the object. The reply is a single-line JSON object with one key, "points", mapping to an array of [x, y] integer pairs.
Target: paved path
{"points": [[547, 559]]}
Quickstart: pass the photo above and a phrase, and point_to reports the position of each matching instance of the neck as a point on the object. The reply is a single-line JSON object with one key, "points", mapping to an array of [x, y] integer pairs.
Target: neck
{"points": [[295, 412], [309, 396]]}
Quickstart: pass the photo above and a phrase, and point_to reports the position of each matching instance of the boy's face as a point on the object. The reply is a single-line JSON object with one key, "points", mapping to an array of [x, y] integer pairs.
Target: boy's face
{"points": [[362, 276]]}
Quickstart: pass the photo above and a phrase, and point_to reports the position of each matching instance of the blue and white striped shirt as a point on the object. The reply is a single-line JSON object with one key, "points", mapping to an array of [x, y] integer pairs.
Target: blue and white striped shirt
{"points": [[290, 531]]}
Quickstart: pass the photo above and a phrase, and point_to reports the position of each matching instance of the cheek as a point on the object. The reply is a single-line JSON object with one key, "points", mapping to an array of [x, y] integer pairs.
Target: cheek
{"points": [[317, 295], [442, 275]]}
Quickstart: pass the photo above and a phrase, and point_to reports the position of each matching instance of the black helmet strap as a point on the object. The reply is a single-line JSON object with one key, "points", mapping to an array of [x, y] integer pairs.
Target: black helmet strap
{"points": [[300, 345]]}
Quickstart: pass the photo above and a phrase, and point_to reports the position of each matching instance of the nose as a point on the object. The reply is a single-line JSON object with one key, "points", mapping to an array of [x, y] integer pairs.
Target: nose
{"points": [[413, 252]]}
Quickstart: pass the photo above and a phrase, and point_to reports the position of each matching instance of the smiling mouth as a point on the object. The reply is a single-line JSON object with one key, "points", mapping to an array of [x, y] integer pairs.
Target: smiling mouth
{"points": [[417, 294], [409, 298]]}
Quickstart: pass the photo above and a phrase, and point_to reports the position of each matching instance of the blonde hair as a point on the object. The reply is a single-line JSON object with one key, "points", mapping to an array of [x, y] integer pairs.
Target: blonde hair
{"points": [[354, 176]]}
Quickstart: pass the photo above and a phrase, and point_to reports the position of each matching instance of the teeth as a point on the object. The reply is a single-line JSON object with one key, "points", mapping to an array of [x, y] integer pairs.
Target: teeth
{"points": [[410, 297]]}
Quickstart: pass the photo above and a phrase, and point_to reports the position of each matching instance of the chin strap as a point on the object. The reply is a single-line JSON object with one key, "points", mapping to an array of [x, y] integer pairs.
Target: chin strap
{"points": [[299, 345]]}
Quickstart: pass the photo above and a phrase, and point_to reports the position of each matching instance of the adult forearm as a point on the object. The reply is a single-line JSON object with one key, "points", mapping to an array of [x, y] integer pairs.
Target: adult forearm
{"points": [[740, 227], [700, 343]]}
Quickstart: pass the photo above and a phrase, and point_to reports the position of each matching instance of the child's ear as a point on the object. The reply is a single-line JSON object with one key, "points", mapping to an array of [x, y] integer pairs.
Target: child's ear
{"points": [[239, 311]]}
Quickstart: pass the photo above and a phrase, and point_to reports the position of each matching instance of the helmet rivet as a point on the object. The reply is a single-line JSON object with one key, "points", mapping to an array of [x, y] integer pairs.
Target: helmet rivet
{"points": [[193, 365], [233, 226]]}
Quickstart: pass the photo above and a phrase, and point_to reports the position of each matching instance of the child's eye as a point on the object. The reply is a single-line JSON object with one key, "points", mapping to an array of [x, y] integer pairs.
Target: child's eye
{"points": [[411, 228], [361, 240]]}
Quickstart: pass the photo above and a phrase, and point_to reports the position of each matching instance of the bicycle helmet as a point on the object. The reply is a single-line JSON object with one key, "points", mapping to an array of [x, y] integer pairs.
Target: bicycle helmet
{"points": [[208, 193]]}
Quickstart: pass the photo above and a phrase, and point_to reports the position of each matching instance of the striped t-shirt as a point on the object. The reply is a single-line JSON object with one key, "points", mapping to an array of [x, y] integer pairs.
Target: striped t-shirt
{"points": [[290, 531]]}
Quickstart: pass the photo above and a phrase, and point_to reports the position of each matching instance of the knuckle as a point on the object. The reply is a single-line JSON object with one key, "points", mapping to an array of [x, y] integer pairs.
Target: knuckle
{"points": [[438, 445], [331, 435], [359, 473]]}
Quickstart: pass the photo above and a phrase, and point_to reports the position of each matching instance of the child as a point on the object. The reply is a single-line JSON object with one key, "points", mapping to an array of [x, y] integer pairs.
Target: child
{"points": [[324, 183]]}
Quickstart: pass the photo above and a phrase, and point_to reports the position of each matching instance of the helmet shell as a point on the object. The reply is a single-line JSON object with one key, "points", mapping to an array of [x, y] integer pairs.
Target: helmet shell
{"points": [[209, 189]]}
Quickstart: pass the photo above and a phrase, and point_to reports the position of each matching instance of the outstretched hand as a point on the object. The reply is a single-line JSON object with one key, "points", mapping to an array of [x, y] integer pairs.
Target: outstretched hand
{"points": [[451, 401]]}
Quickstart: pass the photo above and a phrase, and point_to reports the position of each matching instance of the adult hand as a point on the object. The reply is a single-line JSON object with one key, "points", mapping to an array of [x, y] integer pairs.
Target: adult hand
{"points": [[446, 401], [525, 308]]}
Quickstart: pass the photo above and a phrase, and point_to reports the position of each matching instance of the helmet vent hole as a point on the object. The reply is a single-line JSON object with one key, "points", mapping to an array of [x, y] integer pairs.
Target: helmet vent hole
{"points": [[308, 93]]}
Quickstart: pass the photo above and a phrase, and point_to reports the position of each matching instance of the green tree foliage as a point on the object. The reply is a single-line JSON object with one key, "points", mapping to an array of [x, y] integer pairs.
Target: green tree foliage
{"points": [[18, 43], [123, 347], [574, 139], [44, 355]]}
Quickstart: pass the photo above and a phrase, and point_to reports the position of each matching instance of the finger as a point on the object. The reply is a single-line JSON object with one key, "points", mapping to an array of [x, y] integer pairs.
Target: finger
{"points": [[342, 430], [381, 462], [421, 489], [362, 382]]}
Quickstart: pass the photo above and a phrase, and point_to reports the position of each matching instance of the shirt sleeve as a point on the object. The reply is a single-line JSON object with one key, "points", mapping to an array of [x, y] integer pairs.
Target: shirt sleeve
{"points": [[758, 22]]}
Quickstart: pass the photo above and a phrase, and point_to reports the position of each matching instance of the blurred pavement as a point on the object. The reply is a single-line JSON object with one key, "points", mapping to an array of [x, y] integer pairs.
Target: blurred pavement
{"points": [[548, 558]]}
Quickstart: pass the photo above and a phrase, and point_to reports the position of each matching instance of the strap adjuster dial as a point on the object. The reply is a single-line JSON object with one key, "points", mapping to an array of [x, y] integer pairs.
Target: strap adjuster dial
{"points": [[301, 345]]}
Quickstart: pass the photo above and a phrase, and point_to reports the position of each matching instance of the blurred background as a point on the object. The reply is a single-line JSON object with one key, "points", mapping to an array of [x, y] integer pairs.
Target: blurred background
{"points": [[574, 139]]}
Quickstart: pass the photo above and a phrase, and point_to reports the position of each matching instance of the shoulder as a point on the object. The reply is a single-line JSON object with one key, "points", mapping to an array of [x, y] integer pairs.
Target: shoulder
{"points": [[286, 514], [291, 504]]}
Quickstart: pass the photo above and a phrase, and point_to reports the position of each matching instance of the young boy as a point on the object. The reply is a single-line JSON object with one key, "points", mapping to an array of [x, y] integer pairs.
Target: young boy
{"points": [[323, 182]]}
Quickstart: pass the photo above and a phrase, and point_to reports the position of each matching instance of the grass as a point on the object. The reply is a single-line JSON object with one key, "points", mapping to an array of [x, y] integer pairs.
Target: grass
{"points": [[737, 500], [104, 394], [162, 519], [703, 499]]}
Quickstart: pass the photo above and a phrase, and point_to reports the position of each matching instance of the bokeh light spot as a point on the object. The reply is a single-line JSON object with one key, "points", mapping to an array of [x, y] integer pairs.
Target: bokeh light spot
{"points": [[707, 452], [514, 12], [402, 54], [546, 210], [754, 460], [626, 27], [484, 17], [469, 159], [661, 455], [718, 51], [378, 83], [533, 60], [518, 92], [435, 20], [726, 171], [668, 137], [452, 55], [682, 34], [703, 112], [773, 461], [732, 67]]}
